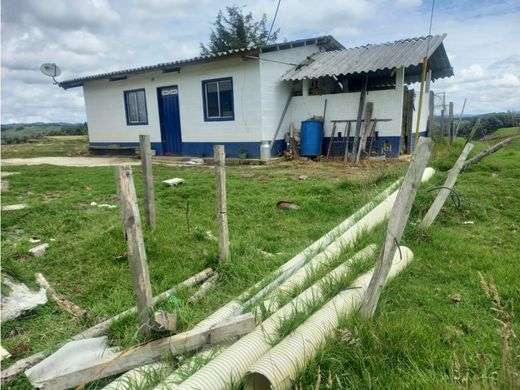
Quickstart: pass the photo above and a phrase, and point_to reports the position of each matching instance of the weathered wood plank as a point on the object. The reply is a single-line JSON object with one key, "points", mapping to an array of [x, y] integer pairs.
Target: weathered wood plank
{"points": [[99, 329], [63, 302], [487, 152], [396, 224], [358, 123], [135, 243], [219, 157], [149, 194], [204, 288], [151, 352], [364, 133], [443, 194]]}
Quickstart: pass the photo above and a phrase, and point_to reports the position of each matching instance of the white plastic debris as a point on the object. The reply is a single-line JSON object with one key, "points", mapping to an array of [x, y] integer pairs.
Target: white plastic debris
{"points": [[39, 250], [34, 240], [173, 182], [19, 298], [69, 358], [469, 223], [103, 205], [194, 161], [12, 207], [4, 353], [106, 206]]}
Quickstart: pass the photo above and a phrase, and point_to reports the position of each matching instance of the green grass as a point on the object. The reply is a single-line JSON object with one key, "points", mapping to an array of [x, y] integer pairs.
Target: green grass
{"points": [[82, 262], [419, 337], [57, 146]]}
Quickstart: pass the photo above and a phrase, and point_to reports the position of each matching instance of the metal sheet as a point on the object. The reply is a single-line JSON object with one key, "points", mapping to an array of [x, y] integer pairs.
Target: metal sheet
{"points": [[407, 53]]}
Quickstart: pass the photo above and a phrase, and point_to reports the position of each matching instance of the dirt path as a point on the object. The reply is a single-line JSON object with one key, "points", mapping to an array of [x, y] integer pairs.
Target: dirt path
{"points": [[71, 161]]}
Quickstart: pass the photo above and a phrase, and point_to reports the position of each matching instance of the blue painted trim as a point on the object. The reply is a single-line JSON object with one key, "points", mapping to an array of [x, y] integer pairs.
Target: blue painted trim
{"points": [[128, 123], [219, 119]]}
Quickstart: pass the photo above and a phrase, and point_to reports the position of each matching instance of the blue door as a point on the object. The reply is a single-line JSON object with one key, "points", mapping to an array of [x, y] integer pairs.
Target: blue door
{"points": [[168, 98]]}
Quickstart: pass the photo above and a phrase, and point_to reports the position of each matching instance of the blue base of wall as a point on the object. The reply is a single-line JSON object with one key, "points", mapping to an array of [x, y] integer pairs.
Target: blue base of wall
{"points": [[196, 149], [383, 145]]}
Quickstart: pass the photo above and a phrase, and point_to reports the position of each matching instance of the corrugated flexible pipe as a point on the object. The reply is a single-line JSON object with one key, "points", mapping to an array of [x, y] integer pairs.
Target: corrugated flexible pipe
{"points": [[230, 366], [279, 367]]}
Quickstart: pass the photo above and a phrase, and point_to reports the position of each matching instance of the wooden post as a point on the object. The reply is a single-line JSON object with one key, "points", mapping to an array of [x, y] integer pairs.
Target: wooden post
{"points": [[135, 242], [431, 112], [442, 122], [219, 157], [396, 224], [149, 196], [151, 352], [364, 134], [450, 123], [358, 123], [460, 118], [445, 192], [487, 152]]}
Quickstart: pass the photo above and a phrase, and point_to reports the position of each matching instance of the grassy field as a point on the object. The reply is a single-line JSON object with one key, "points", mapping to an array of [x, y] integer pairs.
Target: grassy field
{"points": [[419, 338], [59, 145]]}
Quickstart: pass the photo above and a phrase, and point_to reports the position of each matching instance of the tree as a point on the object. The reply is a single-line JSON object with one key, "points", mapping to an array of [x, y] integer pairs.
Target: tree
{"points": [[236, 31]]}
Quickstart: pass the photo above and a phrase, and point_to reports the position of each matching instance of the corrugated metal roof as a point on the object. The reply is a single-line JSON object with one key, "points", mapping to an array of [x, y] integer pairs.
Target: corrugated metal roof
{"points": [[408, 53], [327, 41]]}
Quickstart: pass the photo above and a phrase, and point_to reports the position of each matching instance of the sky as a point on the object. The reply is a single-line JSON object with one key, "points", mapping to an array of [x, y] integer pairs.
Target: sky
{"points": [[94, 36]]}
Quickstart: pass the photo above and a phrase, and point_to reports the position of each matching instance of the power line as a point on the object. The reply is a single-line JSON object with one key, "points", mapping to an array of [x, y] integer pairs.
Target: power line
{"points": [[274, 19]]}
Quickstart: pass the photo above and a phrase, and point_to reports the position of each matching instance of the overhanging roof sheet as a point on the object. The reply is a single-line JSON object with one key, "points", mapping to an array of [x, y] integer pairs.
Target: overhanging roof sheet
{"points": [[327, 42], [407, 53]]}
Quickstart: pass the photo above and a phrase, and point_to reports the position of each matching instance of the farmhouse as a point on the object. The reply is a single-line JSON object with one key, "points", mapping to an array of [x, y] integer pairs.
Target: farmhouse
{"points": [[247, 97]]}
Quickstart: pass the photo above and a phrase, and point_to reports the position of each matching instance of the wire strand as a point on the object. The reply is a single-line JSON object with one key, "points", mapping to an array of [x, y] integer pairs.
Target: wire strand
{"points": [[274, 19]]}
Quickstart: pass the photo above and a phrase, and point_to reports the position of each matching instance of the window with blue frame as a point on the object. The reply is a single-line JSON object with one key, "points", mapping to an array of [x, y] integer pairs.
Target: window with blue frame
{"points": [[135, 107], [218, 99]]}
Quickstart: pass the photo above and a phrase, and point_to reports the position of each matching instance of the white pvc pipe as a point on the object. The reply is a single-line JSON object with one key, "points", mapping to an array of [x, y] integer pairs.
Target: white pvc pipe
{"points": [[231, 365], [139, 376], [279, 367], [367, 252]]}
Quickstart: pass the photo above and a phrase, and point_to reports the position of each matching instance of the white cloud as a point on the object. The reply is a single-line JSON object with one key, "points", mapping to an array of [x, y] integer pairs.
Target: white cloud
{"points": [[93, 36]]}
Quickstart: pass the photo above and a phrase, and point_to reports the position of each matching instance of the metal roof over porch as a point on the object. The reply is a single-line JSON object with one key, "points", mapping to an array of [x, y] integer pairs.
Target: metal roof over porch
{"points": [[379, 59]]}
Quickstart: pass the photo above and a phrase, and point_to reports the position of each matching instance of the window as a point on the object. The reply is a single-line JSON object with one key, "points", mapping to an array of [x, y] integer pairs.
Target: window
{"points": [[217, 97], [135, 107]]}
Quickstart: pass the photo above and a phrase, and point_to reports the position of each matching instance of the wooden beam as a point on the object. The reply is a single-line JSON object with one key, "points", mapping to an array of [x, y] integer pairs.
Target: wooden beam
{"points": [[151, 352], [219, 157], [396, 224], [135, 244], [280, 122], [460, 118], [358, 123], [487, 152], [204, 288], [99, 329], [364, 134], [63, 302], [445, 192], [149, 195]]}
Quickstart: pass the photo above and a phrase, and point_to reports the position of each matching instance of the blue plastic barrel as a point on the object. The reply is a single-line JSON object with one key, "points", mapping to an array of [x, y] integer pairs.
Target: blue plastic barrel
{"points": [[311, 133]]}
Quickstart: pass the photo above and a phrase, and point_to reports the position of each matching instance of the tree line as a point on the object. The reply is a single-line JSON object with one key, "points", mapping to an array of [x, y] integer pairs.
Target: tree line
{"points": [[9, 139], [489, 123]]}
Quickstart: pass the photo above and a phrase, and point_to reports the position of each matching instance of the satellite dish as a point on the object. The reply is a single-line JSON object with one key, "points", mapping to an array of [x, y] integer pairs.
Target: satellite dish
{"points": [[51, 70]]}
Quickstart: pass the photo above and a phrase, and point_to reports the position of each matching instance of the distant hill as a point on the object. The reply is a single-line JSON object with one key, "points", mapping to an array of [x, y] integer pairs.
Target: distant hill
{"points": [[489, 122], [15, 133]]}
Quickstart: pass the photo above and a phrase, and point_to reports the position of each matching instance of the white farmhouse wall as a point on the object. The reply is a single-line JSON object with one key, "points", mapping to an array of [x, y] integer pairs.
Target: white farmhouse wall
{"points": [[424, 111], [105, 106], [387, 105], [274, 91]]}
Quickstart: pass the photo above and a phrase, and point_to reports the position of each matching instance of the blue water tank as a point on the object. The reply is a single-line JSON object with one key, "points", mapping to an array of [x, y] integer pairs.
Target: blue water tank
{"points": [[311, 133]]}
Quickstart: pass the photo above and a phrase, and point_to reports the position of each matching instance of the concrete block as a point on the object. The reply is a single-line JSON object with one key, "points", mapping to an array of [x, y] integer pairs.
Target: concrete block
{"points": [[173, 182], [39, 250]]}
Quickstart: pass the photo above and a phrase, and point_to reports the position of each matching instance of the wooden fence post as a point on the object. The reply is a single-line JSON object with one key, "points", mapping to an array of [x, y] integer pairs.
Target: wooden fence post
{"points": [[431, 112], [445, 192], [135, 242], [396, 224], [358, 123], [450, 123], [364, 134], [149, 195], [219, 158]]}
